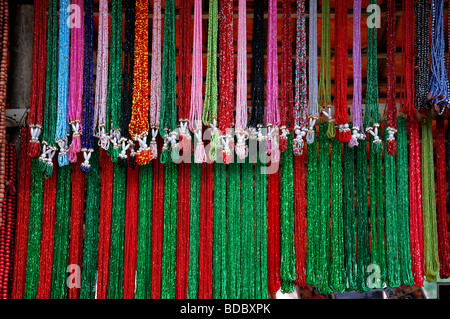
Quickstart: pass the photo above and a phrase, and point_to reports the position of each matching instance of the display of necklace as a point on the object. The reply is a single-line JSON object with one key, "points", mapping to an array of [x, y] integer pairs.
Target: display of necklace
{"points": [[101, 89], [128, 82], [341, 60], [22, 216], [51, 87], [404, 253], [104, 227], [139, 124], [155, 84], [91, 234], [144, 240], [422, 58], [300, 124], [37, 88], [430, 236], [209, 117], [357, 125], [241, 85], [441, 200], [62, 123], [47, 236], [348, 207], [415, 203], [8, 224], [438, 95], [272, 119], [287, 103], [62, 233], [287, 220], [226, 69], [313, 108], [194, 231], [114, 98], [325, 70], [76, 86], [391, 110], [87, 137]]}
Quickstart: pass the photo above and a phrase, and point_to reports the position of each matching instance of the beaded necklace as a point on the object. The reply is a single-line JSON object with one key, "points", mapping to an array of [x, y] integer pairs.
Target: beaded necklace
{"points": [[313, 109], [272, 119], [241, 86], [226, 69], [415, 203], [392, 219], [441, 201], [87, 138], [287, 221], [37, 89], [248, 233], [362, 222], [286, 107], [300, 217], [155, 93], [22, 216], [391, 107], [3, 86], [144, 240], [348, 207], [76, 223], [34, 232], [219, 233], [206, 232], [101, 89], [8, 221], [357, 125], [233, 224], [139, 126], [76, 86], [62, 233], [337, 265], [51, 87], [312, 248], [300, 103], [341, 112], [372, 115], [430, 238], [439, 86], [131, 233], [168, 88], [113, 114], [128, 81], [62, 124], [194, 228], [195, 117], [323, 230], [91, 235], [170, 230], [325, 70], [209, 116], [403, 203], [422, 58], [104, 228]]}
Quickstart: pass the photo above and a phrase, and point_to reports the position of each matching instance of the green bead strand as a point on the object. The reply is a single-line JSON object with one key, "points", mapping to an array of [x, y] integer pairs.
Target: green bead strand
{"points": [[115, 288], [144, 251], [194, 228], [261, 286], [62, 233], [337, 265], [90, 250], [34, 232], [287, 220], [170, 232]]}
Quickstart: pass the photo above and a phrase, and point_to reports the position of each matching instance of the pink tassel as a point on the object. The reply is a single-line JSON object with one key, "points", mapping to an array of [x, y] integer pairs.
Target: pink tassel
{"points": [[200, 155], [276, 155], [104, 142], [353, 142], [74, 149], [153, 149]]}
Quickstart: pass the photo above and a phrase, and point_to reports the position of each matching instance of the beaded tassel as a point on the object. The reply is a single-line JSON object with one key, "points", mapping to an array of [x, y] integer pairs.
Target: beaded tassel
{"points": [[91, 235], [300, 217], [144, 240], [62, 233], [194, 228], [391, 107]]}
